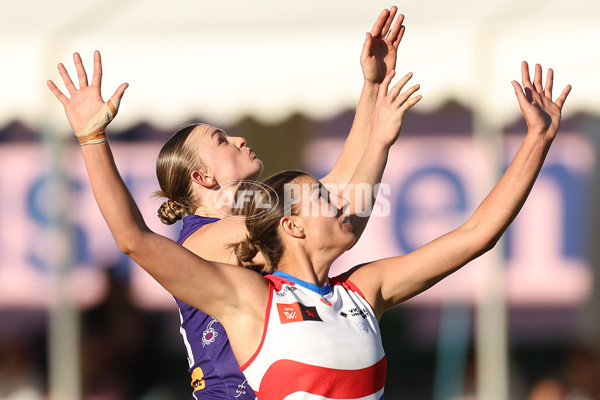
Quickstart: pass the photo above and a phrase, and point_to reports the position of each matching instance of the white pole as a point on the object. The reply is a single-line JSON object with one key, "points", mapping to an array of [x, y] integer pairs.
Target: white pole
{"points": [[63, 331], [64, 377], [491, 342]]}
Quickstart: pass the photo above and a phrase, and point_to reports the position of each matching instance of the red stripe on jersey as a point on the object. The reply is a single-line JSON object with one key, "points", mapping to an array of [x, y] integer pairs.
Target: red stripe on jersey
{"points": [[265, 327], [346, 283], [285, 377]]}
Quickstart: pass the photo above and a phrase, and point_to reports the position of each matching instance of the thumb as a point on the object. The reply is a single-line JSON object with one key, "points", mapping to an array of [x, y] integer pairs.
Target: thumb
{"points": [[366, 50], [521, 98], [120, 90]]}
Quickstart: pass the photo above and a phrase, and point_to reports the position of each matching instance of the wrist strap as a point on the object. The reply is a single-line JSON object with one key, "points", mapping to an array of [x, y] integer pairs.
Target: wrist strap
{"points": [[93, 130]]}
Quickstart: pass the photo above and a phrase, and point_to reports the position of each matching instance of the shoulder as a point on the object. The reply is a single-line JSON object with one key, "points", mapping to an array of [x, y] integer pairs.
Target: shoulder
{"points": [[212, 241], [345, 282], [232, 227]]}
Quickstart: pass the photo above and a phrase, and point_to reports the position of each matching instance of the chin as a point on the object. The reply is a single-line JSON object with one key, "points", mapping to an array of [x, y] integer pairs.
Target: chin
{"points": [[351, 242], [258, 172]]}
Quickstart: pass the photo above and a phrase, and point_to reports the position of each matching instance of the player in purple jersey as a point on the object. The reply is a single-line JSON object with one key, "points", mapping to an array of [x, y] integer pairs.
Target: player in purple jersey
{"points": [[200, 158]]}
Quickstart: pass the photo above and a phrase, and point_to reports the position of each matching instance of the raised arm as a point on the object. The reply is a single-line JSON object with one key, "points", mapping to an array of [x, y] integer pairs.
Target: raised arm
{"points": [[364, 155], [400, 278], [377, 59], [386, 125], [211, 287]]}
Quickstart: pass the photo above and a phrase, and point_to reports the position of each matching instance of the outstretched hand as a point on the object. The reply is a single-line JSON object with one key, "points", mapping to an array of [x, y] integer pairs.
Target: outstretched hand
{"points": [[541, 113], [87, 100], [379, 52], [391, 106]]}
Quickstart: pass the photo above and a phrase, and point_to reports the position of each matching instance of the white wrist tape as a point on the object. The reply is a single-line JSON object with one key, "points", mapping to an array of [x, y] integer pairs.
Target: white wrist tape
{"points": [[93, 130]]}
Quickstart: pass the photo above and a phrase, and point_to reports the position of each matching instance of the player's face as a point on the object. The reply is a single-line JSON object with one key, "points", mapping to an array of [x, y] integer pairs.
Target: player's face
{"points": [[322, 215], [228, 158]]}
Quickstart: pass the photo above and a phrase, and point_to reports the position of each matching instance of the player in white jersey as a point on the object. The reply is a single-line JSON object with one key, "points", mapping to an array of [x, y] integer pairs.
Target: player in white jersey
{"points": [[334, 333]]}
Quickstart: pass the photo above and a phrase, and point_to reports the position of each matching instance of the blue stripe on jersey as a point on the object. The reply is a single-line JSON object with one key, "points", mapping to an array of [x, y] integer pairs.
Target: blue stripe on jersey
{"points": [[322, 290]]}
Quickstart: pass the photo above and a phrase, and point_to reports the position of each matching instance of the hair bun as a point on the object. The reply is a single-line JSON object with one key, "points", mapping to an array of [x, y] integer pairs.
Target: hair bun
{"points": [[170, 212], [246, 250]]}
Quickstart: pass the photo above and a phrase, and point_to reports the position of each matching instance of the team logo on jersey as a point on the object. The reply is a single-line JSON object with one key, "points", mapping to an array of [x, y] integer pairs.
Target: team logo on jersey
{"points": [[325, 301], [198, 382], [241, 389], [209, 335], [297, 312]]}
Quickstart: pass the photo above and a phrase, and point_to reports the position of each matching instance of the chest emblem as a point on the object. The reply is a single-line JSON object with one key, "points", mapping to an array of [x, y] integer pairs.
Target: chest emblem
{"points": [[209, 335], [297, 312]]}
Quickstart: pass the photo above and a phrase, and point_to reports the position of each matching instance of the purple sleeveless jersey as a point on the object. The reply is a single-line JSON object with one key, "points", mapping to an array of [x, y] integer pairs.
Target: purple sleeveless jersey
{"points": [[214, 369]]}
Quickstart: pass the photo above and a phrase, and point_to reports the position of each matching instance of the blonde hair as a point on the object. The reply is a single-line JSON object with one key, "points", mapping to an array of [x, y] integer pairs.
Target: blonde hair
{"points": [[174, 166]]}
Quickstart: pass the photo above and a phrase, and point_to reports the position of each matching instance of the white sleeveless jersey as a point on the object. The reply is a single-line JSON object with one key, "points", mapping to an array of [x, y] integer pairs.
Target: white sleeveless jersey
{"points": [[318, 343]]}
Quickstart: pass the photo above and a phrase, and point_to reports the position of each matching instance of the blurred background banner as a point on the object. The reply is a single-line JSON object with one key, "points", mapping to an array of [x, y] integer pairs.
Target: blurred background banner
{"points": [[429, 188], [78, 319]]}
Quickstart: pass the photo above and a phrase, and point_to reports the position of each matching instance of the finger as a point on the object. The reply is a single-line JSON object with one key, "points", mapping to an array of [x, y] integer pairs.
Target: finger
{"points": [[563, 96], [396, 42], [526, 79], [535, 94], [381, 21], [97, 77], [59, 95], [81, 74], [120, 90], [388, 22], [525, 75], [393, 35], [521, 98], [410, 102], [66, 78], [383, 88], [395, 90], [537, 79], [549, 83], [402, 99]]}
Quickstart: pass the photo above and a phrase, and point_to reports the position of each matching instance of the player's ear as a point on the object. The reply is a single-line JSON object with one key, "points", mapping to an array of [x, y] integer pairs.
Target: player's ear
{"points": [[204, 179], [290, 226]]}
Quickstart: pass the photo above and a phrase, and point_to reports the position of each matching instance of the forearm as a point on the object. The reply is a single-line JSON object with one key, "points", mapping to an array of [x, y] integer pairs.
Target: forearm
{"points": [[357, 139], [361, 192], [114, 199], [503, 203]]}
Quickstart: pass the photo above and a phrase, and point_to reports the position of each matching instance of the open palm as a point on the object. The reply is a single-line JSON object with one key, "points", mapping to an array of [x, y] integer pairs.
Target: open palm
{"points": [[87, 100], [541, 113], [381, 46]]}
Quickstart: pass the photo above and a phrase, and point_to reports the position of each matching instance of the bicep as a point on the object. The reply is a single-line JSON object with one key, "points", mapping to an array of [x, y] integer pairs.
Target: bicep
{"points": [[212, 287], [393, 280]]}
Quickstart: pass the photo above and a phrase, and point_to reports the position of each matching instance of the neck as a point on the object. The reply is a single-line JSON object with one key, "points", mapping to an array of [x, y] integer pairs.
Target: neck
{"points": [[301, 266], [222, 202]]}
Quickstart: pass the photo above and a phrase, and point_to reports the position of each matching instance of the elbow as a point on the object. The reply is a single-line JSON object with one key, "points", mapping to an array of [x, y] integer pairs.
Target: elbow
{"points": [[485, 244], [130, 244], [480, 241], [126, 246]]}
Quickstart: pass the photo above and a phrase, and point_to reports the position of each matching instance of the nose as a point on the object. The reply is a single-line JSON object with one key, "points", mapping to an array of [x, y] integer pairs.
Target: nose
{"points": [[238, 141], [341, 203]]}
